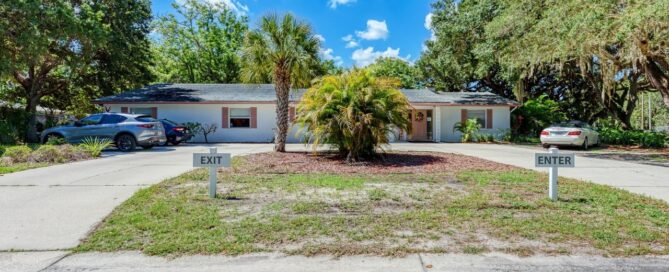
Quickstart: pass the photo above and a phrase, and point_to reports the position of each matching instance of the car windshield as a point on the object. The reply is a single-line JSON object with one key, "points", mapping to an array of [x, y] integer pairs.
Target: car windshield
{"points": [[572, 124]]}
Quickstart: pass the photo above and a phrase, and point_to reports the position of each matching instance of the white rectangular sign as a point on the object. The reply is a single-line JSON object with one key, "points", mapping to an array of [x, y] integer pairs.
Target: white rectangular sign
{"points": [[211, 160], [554, 160]]}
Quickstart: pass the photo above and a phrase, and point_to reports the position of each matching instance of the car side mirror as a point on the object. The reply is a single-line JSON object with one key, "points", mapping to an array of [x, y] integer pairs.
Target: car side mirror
{"points": [[78, 124]]}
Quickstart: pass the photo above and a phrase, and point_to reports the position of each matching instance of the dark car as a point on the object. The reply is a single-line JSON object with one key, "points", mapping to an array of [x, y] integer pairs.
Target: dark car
{"points": [[175, 132]]}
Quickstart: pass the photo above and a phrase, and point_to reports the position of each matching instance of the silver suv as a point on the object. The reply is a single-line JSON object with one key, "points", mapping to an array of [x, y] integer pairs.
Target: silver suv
{"points": [[127, 131]]}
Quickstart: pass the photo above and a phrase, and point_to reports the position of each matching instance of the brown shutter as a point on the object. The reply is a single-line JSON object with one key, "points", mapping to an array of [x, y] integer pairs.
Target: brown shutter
{"points": [[488, 118], [254, 117], [291, 114], [154, 112], [124, 109], [463, 116], [225, 123]]}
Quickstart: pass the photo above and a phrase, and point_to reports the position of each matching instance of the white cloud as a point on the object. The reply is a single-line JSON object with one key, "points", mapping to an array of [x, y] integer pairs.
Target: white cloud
{"points": [[320, 37], [350, 42], [375, 30], [334, 3], [327, 55], [428, 25], [367, 56], [234, 5]]}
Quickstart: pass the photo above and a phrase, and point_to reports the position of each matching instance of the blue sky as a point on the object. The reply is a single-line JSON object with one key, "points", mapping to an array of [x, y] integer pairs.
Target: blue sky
{"points": [[355, 32]]}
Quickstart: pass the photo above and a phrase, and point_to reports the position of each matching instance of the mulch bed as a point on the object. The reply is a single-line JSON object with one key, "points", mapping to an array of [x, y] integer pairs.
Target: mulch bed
{"points": [[397, 162]]}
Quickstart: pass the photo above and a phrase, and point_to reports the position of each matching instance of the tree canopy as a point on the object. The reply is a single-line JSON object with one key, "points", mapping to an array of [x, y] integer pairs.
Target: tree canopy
{"points": [[200, 44], [395, 68]]}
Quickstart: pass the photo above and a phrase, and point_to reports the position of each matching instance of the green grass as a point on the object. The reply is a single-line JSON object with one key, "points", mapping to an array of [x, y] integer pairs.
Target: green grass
{"points": [[470, 212], [20, 167]]}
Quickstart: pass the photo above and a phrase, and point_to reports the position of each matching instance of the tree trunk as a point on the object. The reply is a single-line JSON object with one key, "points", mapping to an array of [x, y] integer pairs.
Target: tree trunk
{"points": [[31, 110], [282, 81]]}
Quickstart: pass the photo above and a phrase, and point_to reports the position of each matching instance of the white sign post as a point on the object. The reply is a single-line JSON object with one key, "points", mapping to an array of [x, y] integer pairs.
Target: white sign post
{"points": [[212, 160], [554, 160]]}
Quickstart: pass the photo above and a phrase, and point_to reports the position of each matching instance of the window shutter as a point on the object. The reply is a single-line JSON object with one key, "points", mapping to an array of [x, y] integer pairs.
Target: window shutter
{"points": [[488, 118], [463, 116], [124, 109], [254, 117], [154, 112], [225, 122], [291, 114]]}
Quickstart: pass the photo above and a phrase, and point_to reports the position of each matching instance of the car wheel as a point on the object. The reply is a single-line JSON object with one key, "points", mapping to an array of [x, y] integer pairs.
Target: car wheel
{"points": [[126, 143], [585, 144], [546, 145]]}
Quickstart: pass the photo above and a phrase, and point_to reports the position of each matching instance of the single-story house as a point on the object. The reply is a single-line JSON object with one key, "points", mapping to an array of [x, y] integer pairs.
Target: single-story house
{"points": [[246, 112]]}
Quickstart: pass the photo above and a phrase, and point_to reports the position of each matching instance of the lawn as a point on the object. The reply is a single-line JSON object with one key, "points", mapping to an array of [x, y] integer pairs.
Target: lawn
{"points": [[411, 202]]}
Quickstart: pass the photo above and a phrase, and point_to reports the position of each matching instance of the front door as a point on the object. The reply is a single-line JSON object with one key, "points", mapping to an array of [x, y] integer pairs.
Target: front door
{"points": [[419, 125]]}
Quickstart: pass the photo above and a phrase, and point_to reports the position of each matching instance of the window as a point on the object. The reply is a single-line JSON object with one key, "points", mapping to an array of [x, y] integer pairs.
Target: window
{"points": [[479, 115], [240, 118], [143, 111], [112, 119], [91, 120]]}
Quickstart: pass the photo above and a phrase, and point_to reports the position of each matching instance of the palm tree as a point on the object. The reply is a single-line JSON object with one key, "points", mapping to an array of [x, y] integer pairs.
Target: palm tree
{"points": [[468, 129], [355, 112], [285, 52]]}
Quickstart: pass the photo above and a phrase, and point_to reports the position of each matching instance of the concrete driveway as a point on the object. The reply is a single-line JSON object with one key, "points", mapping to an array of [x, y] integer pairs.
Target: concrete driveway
{"points": [[52, 208], [650, 180]]}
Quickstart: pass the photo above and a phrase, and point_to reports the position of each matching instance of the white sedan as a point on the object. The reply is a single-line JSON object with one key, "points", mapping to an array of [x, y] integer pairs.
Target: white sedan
{"points": [[572, 133]]}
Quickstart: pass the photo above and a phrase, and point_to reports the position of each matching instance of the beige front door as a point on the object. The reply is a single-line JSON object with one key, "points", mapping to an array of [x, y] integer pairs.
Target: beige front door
{"points": [[419, 125]]}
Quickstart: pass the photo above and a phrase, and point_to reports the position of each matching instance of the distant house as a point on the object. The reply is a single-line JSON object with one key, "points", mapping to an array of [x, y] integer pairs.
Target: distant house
{"points": [[246, 112]]}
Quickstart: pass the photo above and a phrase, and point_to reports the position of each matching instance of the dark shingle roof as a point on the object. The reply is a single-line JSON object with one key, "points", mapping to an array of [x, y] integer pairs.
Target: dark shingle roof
{"points": [[265, 93]]}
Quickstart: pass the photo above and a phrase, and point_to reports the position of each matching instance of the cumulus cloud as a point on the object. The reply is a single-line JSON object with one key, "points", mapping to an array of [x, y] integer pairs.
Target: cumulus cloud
{"points": [[350, 42], [234, 5], [428, 25], [327, 54], [320, 37], [367, 56], [375, 30], [334, 3]]}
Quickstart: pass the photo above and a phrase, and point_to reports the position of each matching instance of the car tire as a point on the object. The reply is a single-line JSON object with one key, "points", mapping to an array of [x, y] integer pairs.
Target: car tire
{"points": [[126, 143], [585, 144], [545, 145], [147, 147]]}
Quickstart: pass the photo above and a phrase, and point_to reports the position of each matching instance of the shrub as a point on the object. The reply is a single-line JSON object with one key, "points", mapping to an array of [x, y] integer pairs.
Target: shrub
{"points": [[485, 138], [18, 154], [94, 146], [468, 130], [355, 112], [537, 114], [611, 133], [74, 152], [47, 154], [54, 140]]}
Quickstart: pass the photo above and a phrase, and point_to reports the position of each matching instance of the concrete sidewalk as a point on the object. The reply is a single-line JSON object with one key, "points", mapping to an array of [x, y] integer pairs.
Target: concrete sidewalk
{"points": [[638, 178], [52, 208], [134, 261]]}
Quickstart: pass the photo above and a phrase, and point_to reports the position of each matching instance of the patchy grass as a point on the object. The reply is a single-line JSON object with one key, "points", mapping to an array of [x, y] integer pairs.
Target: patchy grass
{"points": [[20, 167], [466, 210]]}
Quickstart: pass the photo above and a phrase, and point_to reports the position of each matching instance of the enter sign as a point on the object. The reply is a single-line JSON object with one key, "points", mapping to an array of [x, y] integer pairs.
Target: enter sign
{"points": [[554, 160]]}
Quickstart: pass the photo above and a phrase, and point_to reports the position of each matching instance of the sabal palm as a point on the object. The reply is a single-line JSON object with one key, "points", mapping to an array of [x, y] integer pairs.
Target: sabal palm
{"points": [[468, 129], [355, 112], [285, 52]]}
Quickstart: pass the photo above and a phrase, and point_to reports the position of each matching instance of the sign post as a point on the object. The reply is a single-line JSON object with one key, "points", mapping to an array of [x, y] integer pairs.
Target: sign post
{"points": [[212, 160], [554, 160]]}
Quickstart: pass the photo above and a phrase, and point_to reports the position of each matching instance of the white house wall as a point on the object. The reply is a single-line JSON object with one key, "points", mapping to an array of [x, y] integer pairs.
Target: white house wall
{"points": [[501, 121]]}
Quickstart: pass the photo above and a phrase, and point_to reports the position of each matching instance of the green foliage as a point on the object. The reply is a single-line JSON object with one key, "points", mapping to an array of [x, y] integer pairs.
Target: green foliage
{"points": [[12, 125], [485, 138], [63, 53], [53, 140], [18, 154], [355, 112], [396, 68], [283, 50], [200, 44], [194, 127], [468, 130], [94, 146], [537, 114], [610, 132], [659, 111]]}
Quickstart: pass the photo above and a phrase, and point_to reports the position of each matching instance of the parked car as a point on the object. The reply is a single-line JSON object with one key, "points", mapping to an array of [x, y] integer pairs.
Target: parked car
{"points": [[127, 131], [175, 132], [571, 133]]}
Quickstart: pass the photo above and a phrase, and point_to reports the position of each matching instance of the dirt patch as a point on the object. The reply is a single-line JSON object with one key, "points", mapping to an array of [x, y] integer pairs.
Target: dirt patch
{"points": [[391, 163]]}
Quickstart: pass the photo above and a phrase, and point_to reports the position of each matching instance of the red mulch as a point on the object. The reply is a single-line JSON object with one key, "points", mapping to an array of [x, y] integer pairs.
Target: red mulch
{"points": [[400, 162]]}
